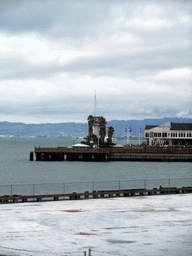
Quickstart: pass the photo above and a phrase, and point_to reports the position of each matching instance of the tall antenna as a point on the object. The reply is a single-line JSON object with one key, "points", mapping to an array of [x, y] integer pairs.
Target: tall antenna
{"points": [[95, 105]]}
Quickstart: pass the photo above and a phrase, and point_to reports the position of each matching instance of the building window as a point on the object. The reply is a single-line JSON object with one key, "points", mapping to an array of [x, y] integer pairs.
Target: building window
{"points": [[173, 134], [189, 135], [164, 134], [159, 134], [151, 134], [155, 134], [147, 135]]}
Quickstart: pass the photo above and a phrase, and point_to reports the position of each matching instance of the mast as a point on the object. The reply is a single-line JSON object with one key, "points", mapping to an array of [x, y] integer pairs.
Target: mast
{"points": [[95, 105]]}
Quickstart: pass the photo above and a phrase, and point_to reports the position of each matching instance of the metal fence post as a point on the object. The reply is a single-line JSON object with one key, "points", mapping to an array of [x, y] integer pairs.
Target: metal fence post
{"points": [[33, 189], [145, 184], [63, 188]]}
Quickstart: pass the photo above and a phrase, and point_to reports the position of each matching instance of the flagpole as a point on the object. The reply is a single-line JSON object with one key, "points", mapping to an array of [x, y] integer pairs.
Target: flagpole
{"points": [[139, 136], [129, 132]]}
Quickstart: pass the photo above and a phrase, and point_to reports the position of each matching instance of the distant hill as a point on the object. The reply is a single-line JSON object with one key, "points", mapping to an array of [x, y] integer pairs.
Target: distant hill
{"points": [[81, 129], [44, 130]]}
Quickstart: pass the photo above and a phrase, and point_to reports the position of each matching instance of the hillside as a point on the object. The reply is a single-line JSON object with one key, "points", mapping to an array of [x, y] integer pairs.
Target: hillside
{"points": [[80, 129]]}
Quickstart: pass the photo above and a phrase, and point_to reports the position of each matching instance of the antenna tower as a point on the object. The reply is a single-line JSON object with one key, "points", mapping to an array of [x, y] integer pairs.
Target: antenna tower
{"points": [[95, 105]]}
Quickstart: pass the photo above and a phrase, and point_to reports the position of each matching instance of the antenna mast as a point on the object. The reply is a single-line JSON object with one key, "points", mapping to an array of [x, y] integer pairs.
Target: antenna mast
{"points": [[95, 105]]}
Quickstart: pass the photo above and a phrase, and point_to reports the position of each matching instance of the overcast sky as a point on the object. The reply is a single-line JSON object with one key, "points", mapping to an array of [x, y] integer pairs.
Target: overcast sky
{"points": [[55, 54]]}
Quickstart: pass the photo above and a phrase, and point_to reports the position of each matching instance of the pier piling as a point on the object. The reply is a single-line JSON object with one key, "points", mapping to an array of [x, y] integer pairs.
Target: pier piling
{"points": [[31, 156]]}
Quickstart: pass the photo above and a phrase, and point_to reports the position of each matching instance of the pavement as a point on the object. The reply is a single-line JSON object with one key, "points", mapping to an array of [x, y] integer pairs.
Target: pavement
{"points": [[143, 225]]}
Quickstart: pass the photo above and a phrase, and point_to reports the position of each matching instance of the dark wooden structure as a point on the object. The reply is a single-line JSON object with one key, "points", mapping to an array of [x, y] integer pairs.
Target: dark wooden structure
{"points": [[95, 194], [131, 153]]}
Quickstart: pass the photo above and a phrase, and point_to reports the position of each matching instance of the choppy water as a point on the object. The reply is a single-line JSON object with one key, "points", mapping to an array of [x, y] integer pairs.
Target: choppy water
{"points": [[15, 167]]}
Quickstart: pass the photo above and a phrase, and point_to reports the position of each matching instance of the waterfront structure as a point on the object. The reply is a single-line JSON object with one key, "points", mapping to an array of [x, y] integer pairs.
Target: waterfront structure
{"points": [[95, 194], [131, 153], [97, 129], [96, 125], [169, 134]]}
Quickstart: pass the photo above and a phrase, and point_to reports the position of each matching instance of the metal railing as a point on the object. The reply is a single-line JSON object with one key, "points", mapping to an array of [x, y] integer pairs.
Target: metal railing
{"points": [[80, 187]]}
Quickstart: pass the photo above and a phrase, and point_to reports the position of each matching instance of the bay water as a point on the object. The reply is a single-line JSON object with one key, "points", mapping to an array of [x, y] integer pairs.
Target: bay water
{"points": [[16, 169]]}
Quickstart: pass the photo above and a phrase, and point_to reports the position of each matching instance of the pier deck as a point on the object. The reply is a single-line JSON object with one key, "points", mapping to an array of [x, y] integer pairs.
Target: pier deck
{"points": [[132, 153]]}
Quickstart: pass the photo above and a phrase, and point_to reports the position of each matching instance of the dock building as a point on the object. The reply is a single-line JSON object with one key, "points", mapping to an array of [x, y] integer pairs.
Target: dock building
{"points": [[170, 134], [96, 126]]}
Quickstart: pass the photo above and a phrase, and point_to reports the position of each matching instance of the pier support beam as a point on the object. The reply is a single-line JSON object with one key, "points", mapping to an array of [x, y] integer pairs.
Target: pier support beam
{"points": [[31, 156]]}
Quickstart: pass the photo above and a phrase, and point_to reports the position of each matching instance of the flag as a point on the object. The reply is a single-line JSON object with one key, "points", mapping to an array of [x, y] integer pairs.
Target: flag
{"points": [[125, 129], [140, 130], [129, 129]]}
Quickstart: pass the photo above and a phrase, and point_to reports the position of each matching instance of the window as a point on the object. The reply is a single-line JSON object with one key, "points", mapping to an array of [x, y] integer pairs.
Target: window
{"points": [[164, 134], [189, 134], [159, 134], [147, 134], [155, 134], [151, 134]]}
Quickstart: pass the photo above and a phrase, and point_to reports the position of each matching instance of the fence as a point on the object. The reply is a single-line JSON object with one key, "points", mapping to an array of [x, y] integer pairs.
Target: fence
{"points": [[80, 187]]}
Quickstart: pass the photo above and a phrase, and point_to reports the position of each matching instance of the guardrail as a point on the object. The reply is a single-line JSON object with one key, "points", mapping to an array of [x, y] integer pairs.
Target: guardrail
{"points": [[81, 187]]}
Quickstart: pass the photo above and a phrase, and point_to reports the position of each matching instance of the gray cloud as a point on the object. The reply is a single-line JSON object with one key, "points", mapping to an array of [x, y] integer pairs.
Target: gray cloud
{"points": [[55, 54], [21, 16]]}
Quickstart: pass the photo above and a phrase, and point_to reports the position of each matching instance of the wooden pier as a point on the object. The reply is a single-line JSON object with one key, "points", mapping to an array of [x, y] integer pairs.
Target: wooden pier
{"points": [[132, 153], [95, 194]]}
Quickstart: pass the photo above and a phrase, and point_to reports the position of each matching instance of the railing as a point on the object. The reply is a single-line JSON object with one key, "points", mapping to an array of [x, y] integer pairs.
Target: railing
{"points": [[80, 187]]}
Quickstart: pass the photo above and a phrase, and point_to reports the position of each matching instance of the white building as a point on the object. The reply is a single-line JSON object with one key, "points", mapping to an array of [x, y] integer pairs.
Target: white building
{"points": [[96, 127], [169, 134]]}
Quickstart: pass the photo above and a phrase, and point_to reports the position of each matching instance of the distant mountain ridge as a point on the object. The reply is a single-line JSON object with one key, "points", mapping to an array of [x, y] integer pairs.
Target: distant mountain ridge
{"points": [[81, 129]]}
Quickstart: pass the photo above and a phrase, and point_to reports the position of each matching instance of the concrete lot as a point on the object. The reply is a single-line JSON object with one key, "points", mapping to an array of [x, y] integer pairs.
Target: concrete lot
{"points": [[150, 225]]}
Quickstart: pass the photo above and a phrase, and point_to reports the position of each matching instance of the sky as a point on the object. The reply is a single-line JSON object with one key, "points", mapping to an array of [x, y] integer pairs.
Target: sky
{"points": [[56, 55]]}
